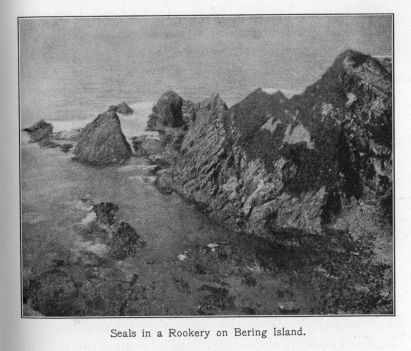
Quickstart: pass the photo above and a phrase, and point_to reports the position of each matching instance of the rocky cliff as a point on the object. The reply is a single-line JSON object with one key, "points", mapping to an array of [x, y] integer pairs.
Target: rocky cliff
{"points": [[102, 141], [271, 166]]}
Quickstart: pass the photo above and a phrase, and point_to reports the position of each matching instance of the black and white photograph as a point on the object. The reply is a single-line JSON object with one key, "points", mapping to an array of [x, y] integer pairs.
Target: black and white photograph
{"points": [[213, 165]]}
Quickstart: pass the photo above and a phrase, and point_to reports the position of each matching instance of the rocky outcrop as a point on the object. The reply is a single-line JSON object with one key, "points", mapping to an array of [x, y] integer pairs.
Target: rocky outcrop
{"points": [[102, 141], [167, 112], [39, 131], [273, 166], [42, 134], [122, 239], [122, 108]]}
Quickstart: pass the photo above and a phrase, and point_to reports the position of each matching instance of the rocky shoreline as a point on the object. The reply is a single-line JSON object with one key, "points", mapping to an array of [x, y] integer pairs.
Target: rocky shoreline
{"points": [[311, 174]]}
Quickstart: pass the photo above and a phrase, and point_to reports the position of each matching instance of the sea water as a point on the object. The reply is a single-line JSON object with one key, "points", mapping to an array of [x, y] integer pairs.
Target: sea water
{"points": [[70, 90]]}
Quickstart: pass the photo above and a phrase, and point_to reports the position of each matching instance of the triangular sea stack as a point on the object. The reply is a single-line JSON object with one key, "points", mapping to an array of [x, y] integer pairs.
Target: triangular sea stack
{"points": [[102, 141]]}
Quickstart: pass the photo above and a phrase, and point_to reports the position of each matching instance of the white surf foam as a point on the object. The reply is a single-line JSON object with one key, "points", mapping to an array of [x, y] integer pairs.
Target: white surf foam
{"points": [[136, 123]]}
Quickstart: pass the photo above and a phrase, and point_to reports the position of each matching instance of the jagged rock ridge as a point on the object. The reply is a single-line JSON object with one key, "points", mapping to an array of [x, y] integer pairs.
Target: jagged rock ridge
{"points": [[270, 164]]}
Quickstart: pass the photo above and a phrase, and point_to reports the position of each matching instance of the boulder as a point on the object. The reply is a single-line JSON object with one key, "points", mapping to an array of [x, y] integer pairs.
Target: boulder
{"points": [[102, 141], [167, 112], [170, 109], [39, 131]]}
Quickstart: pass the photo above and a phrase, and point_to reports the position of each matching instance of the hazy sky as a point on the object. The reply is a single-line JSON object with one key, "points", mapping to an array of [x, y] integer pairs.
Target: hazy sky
{"points": [[189, 54], [66, 38]]}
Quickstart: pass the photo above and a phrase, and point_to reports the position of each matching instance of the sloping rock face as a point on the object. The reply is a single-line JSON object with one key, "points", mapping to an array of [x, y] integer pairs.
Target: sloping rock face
{"points": [[102, 141], [39, 131], [271, 166]]}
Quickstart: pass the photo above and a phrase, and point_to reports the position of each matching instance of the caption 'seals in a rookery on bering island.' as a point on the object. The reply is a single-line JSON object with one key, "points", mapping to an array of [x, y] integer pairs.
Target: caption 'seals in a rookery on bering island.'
{"points": [[205, 334]]}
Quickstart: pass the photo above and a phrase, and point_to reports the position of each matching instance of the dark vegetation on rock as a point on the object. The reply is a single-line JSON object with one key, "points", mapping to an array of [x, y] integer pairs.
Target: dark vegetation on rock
{"points": [[103, 142]]}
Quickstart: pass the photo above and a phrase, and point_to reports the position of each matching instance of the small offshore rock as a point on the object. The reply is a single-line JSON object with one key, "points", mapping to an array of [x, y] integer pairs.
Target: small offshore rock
{"points": [[167, 112], [39, 131]]}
